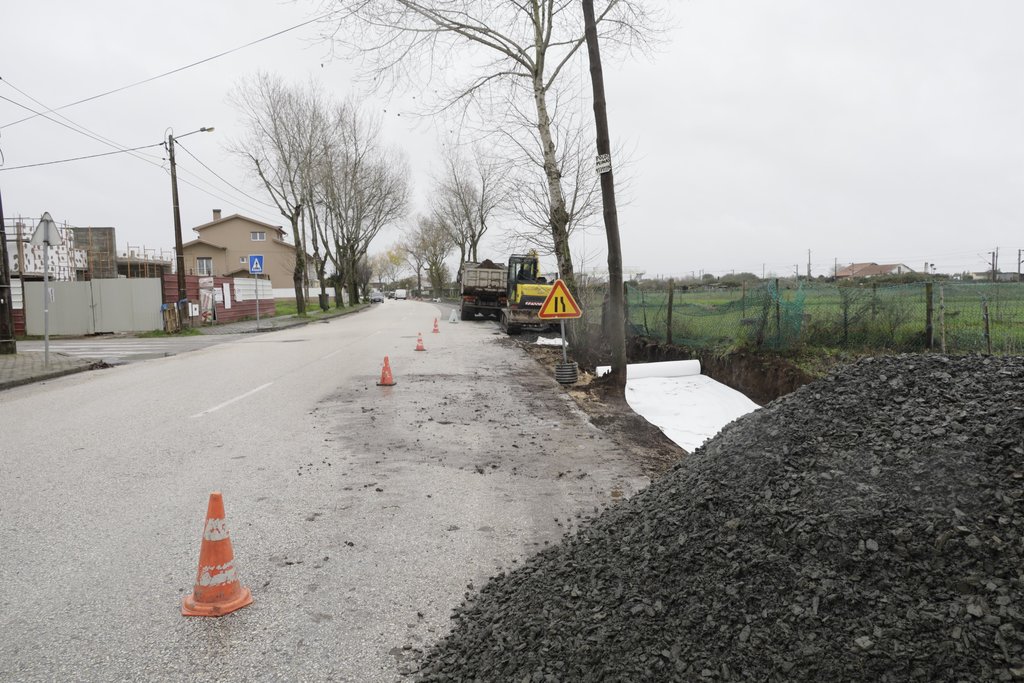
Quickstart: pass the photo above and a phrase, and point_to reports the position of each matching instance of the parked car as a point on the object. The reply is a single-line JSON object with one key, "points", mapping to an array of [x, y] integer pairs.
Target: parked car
{"points": [[401, 294], [376, 297]]}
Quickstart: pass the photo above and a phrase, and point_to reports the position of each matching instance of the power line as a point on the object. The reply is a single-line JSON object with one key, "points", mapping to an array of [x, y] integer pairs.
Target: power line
{"points": [[77, 127], [92, 136], [242, 192], [172, 71], [90, 156], [257, 212], [82, 130]]}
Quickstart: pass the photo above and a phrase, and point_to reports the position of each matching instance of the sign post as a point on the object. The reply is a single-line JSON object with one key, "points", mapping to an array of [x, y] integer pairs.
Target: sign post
{"points": [[256, 268], [560, 305], [46, 234]]}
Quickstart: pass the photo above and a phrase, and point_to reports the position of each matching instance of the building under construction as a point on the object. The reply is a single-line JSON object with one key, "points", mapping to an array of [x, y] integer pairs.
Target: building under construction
{"points": [[85, 254]]}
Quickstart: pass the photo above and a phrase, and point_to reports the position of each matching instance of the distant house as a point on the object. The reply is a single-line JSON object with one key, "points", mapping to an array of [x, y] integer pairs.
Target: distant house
{"points": [[872, 270], [224, 245]]}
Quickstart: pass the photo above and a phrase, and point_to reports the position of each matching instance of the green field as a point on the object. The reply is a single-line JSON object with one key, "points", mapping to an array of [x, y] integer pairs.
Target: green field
{"points": [[865, 317]]}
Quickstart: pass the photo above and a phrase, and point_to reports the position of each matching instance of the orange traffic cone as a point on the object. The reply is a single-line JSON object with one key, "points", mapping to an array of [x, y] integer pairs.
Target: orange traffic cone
{"points": [[435, 326], [419, 342], [386, 380], [217, 591]]}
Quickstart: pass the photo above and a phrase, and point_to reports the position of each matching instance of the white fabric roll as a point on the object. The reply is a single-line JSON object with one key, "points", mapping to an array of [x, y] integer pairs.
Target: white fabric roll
{"points": [[670, 368]]}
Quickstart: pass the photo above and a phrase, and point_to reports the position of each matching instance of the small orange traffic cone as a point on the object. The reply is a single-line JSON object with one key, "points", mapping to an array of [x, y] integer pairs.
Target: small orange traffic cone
{"points": [[435, 326], [419, 342], [386, 380], [217, 591]]}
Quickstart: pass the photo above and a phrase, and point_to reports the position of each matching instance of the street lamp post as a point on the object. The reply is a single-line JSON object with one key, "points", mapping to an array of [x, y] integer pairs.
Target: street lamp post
{"points": [[178, 248]]}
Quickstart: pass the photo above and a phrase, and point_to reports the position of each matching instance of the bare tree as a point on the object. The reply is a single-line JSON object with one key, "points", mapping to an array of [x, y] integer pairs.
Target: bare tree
{"points": [[467, 198], [519, 49], [427, 246], [279, 144], [387, 265], [364, 187], [434, 237]]}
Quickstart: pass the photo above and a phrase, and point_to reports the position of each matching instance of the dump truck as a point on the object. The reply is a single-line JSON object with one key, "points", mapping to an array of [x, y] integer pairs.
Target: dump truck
{"points": [[513, 293], [484, 287]]}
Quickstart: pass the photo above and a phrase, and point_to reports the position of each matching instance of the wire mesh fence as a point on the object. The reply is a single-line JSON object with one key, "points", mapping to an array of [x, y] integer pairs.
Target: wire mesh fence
{"points": [[945, 316]]}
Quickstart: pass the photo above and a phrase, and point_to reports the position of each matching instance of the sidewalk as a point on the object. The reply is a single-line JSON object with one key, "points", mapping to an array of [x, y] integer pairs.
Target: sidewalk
{"points": [[277, 322], [25, 368]]}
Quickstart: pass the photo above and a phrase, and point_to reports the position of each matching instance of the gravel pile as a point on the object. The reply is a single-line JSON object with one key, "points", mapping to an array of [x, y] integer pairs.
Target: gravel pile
{"points": [[869, 526]]}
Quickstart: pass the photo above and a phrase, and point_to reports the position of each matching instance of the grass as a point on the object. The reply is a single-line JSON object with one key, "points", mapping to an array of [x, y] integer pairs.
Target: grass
{"points": [[287, 307], [884, 317], [184, 332]]}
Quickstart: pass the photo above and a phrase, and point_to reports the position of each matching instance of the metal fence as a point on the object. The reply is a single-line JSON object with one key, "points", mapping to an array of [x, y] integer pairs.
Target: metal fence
{"points": [[944, 316]]}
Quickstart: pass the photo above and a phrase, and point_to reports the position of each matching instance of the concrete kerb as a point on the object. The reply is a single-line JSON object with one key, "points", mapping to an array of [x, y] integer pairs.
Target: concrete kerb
{"points": [[275, 323], [21, 369]]}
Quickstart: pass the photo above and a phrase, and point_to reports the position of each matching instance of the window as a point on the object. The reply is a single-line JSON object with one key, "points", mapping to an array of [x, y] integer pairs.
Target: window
{"points": [[258, 236], [204, 265]]}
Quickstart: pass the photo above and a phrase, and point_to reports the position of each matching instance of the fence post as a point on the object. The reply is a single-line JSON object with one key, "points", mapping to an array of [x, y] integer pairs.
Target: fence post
{"points": [[984, 316], [942, 318], [928, 333], [668, 316], [625, 307], [778, 315]]}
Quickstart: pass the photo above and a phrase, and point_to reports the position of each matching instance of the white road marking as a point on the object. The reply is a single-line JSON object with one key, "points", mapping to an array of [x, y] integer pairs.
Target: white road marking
{"points": [[232, 400]]}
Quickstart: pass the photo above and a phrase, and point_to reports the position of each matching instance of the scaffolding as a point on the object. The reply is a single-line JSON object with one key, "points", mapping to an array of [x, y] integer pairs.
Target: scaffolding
{"points": [[66, 262]]}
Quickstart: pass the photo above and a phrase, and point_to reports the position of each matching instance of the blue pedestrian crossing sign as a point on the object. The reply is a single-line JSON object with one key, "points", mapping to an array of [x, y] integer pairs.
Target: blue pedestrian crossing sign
{"points": [[255, 264]]}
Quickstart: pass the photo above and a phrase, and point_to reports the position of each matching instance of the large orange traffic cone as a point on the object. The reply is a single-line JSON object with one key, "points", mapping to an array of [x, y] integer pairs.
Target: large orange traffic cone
{"points": [[217, 591], [435, 326], [386, 380], [419, 342]]}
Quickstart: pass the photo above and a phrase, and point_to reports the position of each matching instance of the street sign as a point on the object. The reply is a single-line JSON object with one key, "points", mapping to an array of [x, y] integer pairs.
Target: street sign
{"points": [[560, 304], [255, 264], [604, 163]]}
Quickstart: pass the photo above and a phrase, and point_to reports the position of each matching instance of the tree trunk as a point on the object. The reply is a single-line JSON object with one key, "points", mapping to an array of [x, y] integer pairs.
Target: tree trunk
{"points": [[558, 217], [299, 274]]}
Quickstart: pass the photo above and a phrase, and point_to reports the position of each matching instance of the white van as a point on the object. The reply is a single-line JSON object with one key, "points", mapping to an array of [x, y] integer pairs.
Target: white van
{"points": [[401, 294]]}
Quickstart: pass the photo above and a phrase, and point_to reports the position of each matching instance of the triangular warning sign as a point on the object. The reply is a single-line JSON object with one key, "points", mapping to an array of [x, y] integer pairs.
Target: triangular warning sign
{"points": [[559, 303]]}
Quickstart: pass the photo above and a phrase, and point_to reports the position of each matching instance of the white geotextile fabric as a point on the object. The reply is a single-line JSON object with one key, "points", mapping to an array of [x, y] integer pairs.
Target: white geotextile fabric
{"points": [[687, 406]]}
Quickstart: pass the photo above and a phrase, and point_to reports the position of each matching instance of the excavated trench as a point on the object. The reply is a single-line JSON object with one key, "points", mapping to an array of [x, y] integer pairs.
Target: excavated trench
{"points": [[761, 377]]}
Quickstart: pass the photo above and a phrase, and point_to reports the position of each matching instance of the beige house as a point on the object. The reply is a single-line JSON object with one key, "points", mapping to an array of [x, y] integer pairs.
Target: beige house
{"points": [[224, 246]]}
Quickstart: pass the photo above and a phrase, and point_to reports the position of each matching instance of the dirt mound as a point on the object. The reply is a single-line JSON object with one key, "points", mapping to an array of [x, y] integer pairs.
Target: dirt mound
{"points": [[866, 527]]}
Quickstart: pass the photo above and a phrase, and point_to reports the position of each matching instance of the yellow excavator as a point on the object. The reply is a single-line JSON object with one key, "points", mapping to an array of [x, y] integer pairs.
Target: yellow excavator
{"points": [[526, 290]]}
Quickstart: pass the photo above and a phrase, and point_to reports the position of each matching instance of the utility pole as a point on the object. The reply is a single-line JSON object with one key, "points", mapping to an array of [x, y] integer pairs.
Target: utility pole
{"points": [[995, 259], [611, 218], [178, 249], [7, 343], [1019, 252], [808, 265]]}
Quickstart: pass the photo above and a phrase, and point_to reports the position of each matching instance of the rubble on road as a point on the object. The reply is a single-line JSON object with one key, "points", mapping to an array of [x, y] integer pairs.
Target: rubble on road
{"points": [[869, 526]]}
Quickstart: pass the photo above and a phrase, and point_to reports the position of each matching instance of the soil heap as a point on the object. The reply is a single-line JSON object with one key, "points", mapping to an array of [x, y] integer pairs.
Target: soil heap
{"points": [[869, 526]]}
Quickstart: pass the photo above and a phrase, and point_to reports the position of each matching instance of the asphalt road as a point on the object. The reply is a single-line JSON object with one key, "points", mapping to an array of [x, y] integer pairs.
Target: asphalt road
{"points": [[360, 515]]}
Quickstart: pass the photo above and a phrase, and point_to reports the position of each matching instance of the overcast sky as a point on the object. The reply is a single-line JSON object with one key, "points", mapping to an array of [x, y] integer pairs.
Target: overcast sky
{"points": [[860, 130]]}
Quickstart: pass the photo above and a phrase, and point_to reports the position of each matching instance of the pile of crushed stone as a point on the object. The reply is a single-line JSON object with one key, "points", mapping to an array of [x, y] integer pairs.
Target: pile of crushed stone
{"points": [[869, 526]]}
